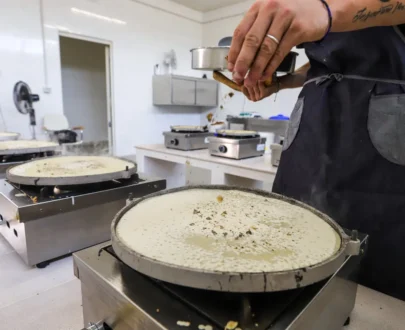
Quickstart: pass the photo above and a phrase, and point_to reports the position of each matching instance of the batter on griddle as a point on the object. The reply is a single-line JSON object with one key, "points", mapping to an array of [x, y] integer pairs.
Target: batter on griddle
{"points": [[227, 230], [25, 144], [71, 166]]}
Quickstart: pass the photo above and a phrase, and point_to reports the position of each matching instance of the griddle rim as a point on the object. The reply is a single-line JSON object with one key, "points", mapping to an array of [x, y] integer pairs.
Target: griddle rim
{"points": [[70, 181], [230, 281]]}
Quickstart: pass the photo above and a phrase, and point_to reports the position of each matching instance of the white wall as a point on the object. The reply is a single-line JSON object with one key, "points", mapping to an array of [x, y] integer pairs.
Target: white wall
{"points": [[21, 59], [136, 47], [222, 23], [84, 87]]}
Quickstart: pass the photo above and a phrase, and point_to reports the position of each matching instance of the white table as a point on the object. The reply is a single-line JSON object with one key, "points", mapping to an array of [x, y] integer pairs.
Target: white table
{"points": [[199, 167]]}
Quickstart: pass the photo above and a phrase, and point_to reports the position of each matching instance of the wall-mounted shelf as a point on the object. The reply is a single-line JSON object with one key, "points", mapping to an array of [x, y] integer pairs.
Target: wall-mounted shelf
{"points": [[184, 91]]}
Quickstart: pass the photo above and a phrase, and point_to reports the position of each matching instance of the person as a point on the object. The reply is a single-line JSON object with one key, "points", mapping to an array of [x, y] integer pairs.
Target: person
{"points": [[344, 151]]}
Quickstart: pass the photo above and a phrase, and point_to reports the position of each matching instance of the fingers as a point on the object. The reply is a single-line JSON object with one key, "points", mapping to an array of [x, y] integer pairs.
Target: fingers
{"points": [[253, 40], [252, 93], [281, 52], [240, 33], [257, 93], [247, 93], [263, 91], [269, 47]]}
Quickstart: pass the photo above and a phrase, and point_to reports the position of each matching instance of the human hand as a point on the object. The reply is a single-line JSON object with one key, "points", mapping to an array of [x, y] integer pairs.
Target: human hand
{"points": [[260, 91], [291, 22]]}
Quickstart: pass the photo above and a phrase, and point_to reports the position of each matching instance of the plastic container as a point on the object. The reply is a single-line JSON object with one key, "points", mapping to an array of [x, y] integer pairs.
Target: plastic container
{"points": [[279, 117]]}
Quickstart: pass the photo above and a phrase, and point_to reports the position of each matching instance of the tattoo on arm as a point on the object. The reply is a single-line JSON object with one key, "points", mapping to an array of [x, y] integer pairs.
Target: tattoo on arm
{"points": [[388, 8]]}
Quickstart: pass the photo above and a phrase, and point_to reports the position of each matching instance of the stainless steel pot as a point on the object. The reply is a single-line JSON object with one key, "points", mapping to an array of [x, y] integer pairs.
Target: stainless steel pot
{"points": [[215, 59]]}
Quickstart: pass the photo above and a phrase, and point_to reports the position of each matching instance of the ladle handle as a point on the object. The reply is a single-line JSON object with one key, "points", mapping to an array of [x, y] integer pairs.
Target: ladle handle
{"points": [[220, 77]]}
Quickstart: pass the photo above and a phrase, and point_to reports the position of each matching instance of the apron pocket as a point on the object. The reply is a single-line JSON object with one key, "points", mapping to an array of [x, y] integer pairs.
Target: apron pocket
{"points": [[294, 124], [386, 126]]}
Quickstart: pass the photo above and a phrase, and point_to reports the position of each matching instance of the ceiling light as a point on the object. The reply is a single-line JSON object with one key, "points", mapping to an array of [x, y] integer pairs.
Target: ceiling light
{"points": [[104, 18], [57, 27]]}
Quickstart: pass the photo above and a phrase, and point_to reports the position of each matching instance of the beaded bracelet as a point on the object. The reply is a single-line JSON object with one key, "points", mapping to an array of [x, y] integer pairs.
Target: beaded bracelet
{"points": [[330, 19]]}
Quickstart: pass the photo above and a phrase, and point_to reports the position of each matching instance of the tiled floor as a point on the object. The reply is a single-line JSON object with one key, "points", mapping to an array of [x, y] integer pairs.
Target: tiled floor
{"points": [[377, 311], [42, 299]]}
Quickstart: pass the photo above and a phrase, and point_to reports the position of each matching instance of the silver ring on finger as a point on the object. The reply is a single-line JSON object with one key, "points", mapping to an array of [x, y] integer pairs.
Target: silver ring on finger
{"points": [[273, 38]]}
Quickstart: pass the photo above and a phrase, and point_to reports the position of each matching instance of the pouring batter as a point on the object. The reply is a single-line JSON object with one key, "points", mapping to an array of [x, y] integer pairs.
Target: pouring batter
{"points": [[344, 152]]}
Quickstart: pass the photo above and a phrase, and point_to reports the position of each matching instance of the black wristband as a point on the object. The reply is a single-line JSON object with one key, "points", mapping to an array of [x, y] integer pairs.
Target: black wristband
{"points": [[330, 19]]}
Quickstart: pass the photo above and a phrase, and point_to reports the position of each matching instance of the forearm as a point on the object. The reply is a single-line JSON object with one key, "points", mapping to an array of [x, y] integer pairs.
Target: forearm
{"points": [[351, 15], [295, 80]]}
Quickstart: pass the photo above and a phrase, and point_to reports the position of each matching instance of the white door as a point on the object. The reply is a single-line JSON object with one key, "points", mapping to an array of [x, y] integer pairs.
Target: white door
{"points": [[87, 89], [109, 100]]}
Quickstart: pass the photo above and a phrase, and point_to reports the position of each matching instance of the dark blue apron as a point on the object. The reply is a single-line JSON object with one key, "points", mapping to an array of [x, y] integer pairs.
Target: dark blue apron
{"points": [[344, 152]]}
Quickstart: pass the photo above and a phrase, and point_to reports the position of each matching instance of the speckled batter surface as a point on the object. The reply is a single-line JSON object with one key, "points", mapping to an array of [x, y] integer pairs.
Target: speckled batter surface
{"points": [[71, 166], [227, 230], [25, 144]]}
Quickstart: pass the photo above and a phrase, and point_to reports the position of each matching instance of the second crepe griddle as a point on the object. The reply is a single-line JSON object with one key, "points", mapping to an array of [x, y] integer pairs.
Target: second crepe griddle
{"points": [[9, 136], [20, 147], [71, 170]]}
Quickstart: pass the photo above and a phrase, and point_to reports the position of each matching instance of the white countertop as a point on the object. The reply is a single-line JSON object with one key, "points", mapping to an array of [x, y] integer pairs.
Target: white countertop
{"points": [[259, 164]]}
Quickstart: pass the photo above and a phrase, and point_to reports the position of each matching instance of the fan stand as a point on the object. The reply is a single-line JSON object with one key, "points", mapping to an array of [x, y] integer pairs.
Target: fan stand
{"points": [[33, 123], [23, 100]]}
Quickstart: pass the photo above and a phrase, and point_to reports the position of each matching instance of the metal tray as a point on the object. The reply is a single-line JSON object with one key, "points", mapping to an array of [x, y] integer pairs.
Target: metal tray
{"points": [[127, 171], [228, 281], [215, 59]]}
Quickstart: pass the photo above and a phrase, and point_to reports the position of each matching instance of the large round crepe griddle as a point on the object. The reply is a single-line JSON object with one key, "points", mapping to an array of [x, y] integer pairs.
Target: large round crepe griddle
{"points": [[21, 147], [71, 170], [151, 255], [9, 136]]}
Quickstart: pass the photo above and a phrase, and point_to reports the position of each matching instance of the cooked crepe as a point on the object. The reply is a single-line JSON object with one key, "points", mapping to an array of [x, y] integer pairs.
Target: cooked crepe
{"points": [[71, 166], [227, 231]]}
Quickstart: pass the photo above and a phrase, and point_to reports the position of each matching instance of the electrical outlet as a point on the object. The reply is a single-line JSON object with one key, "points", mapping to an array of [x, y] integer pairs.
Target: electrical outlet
{"points": [[47, 90]]}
